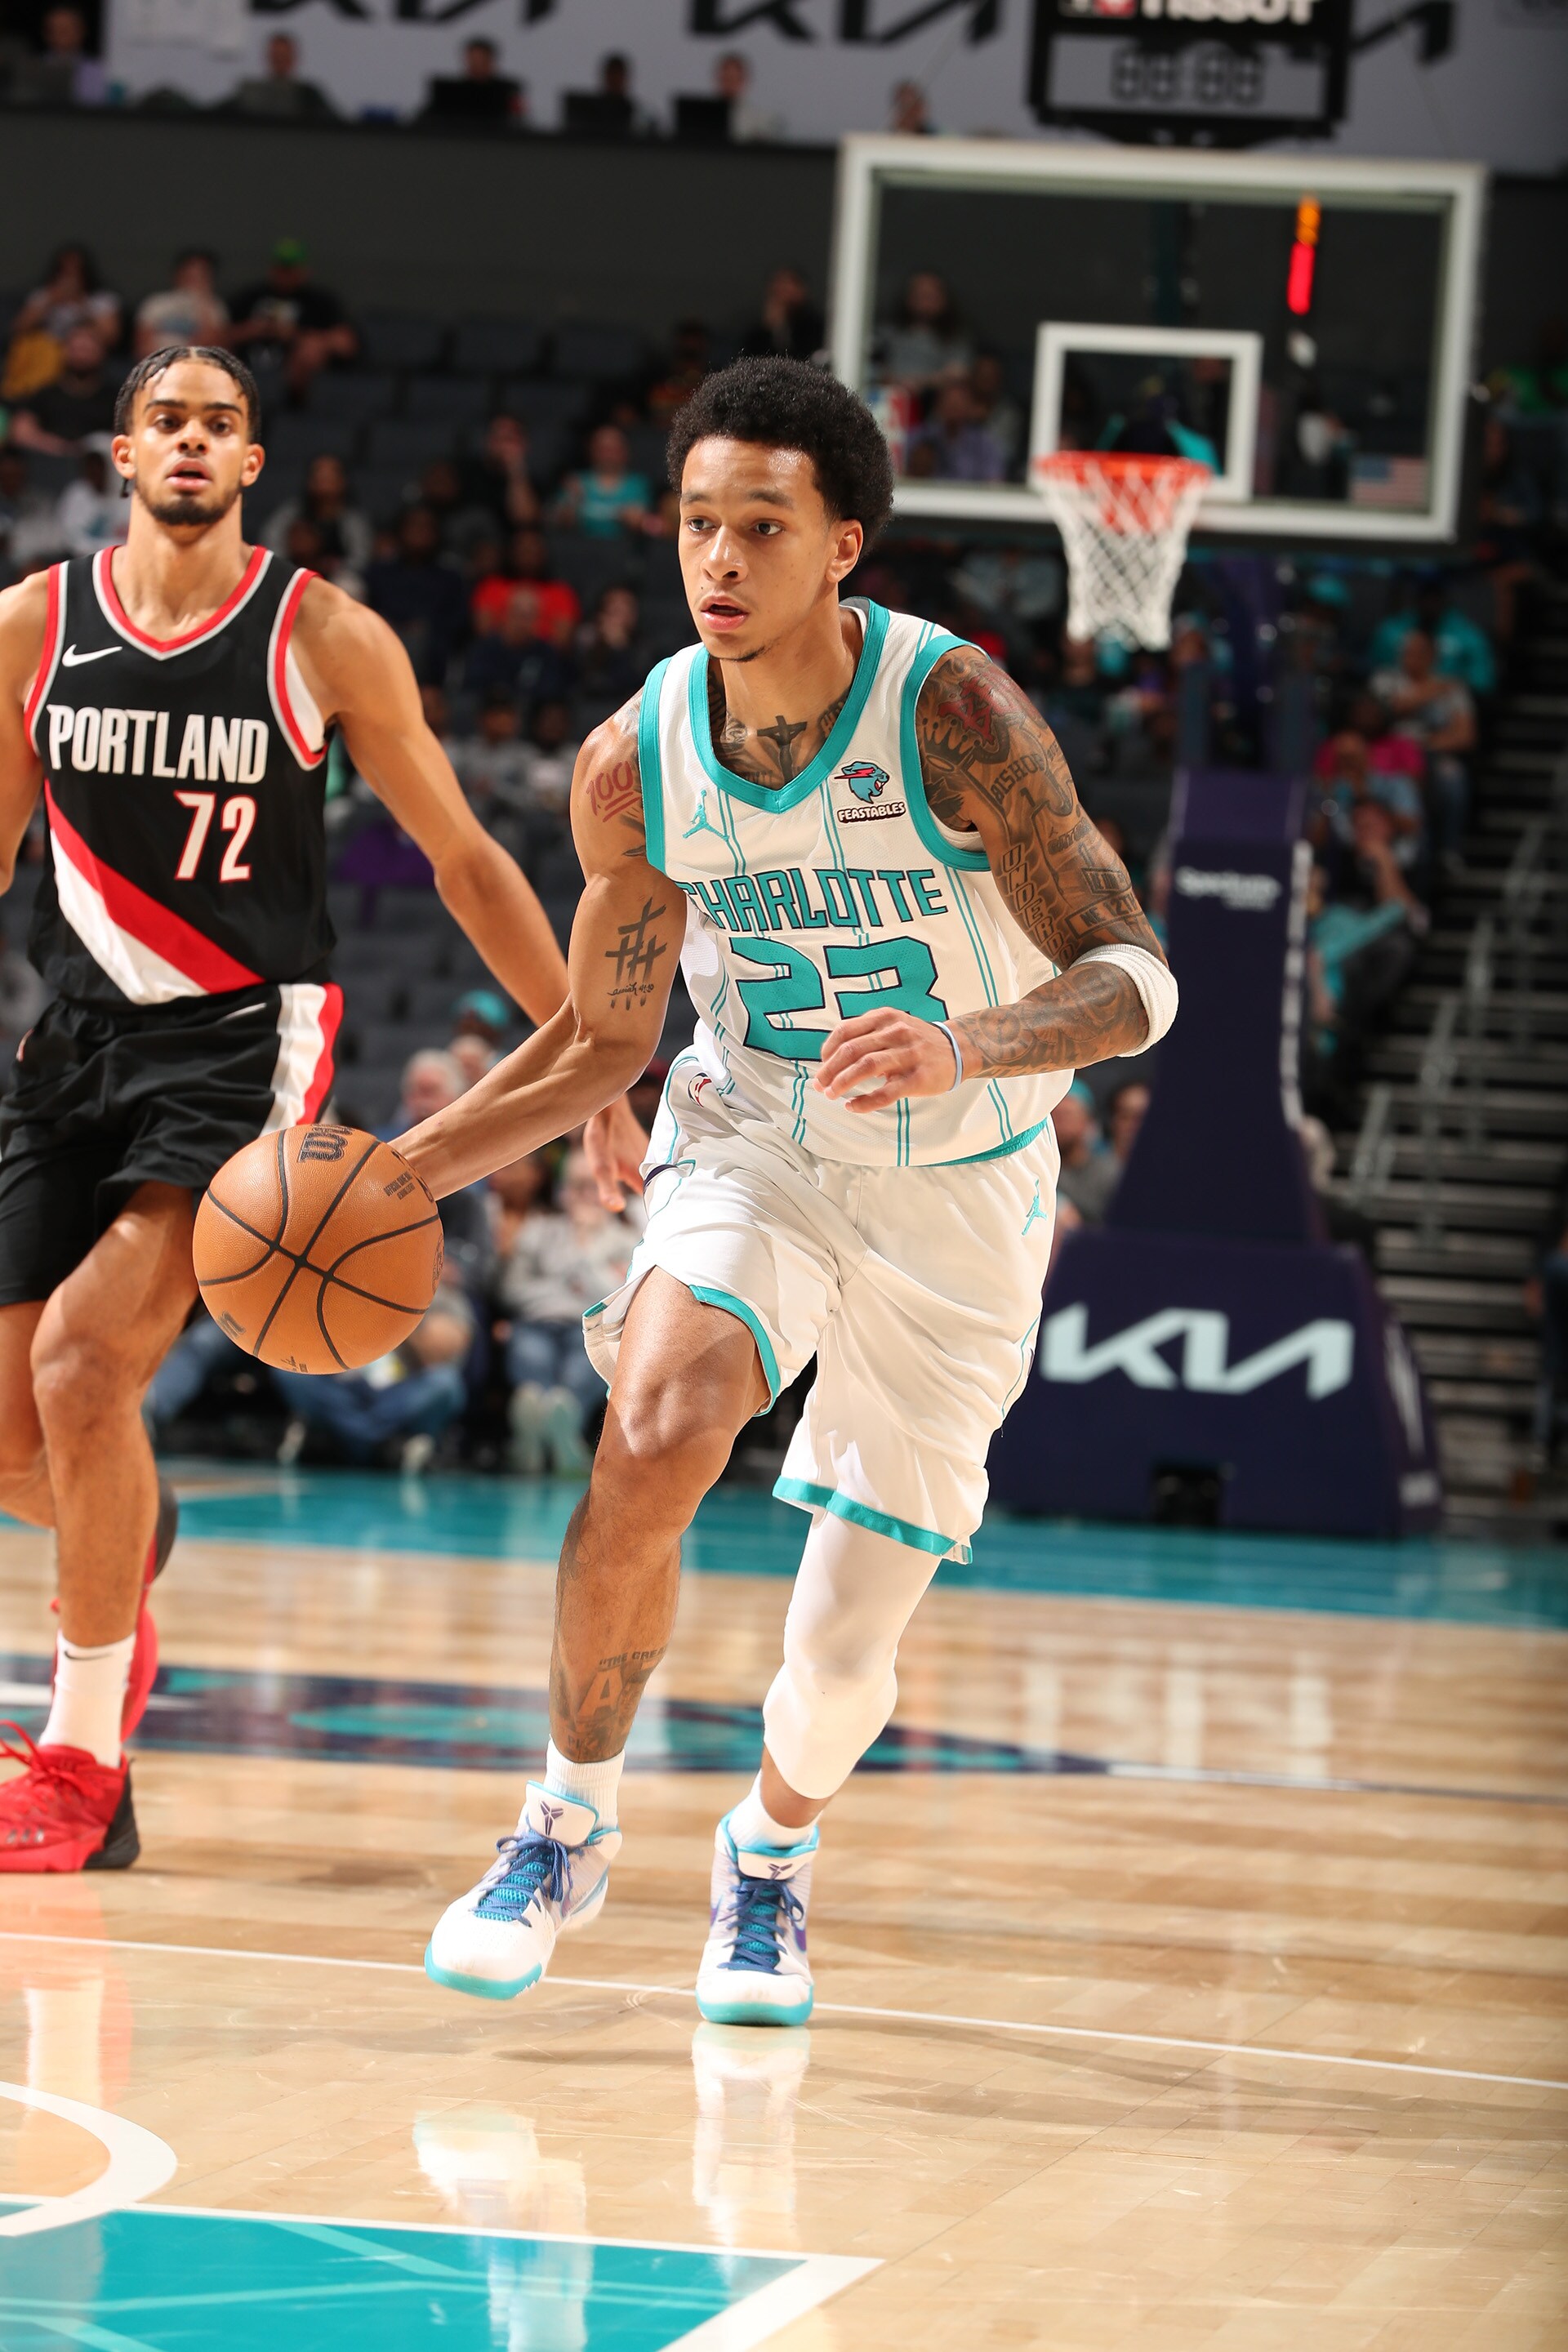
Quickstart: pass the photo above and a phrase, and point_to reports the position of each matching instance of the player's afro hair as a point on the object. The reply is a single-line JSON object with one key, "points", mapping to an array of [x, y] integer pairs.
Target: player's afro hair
{"points": [[785, 405], [157, 364]]}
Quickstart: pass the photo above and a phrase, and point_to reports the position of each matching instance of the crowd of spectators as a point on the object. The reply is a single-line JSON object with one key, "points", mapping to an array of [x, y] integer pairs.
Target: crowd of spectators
{"points": [[503, 507], [58, 67]]}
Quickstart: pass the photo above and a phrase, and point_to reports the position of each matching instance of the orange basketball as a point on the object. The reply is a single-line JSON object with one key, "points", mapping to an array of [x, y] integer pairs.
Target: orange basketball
{"points": [[317, 1249]]}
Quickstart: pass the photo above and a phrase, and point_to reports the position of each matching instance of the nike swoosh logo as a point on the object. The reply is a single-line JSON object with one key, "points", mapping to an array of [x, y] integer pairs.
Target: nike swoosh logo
{"points": [[71, 659]]}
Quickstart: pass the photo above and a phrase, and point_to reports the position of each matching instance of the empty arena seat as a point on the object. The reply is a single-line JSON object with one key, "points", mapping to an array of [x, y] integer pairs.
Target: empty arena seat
{"points": [[46, 471], [496, 347], [466, 968], [366, 1092], [410, 441], [387, 1044], [559, 874], [401, 339], [648, 443], [428, 1005], [552, 402], [370, 996], [561, 913], [381, 490], [447, 399], [291, 441], [361, 953], [667, 625], [605, 353], [592, 566], [552, 448], [399, 909], [352, 399]]}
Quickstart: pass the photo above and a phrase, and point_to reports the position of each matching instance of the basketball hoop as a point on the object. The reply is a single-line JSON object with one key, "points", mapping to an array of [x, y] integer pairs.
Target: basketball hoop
{"points": [[1124, 522]]}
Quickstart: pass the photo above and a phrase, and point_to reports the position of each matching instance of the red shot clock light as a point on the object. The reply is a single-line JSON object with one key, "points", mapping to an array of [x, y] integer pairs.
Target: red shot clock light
{"points": [[1303, 257]]}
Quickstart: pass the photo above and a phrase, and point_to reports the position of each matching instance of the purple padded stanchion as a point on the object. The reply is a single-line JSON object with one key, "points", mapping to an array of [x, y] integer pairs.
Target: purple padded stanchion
{"points": [[1209, 1329]]}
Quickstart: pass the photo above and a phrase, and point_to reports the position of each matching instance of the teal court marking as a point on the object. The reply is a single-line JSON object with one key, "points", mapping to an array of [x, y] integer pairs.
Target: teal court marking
{"points": [[945, 2019], [170, 2278], [741, 1531]]}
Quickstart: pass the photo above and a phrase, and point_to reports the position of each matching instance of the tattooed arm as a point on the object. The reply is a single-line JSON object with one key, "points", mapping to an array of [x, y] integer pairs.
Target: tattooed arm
{"points": [[626, 944], [993, 767]]}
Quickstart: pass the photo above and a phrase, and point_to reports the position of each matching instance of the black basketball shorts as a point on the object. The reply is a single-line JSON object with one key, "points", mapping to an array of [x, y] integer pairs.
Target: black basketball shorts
{"points": [[100, 1101]]}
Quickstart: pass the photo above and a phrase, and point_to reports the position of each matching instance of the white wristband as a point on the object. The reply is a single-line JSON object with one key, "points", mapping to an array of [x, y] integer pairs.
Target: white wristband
{"points": [[1152, 979], [957, 1056]]}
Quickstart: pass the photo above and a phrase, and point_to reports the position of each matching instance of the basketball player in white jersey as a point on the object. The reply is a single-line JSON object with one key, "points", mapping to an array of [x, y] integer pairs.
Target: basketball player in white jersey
{"points": [[901, 935], [171, 700]]}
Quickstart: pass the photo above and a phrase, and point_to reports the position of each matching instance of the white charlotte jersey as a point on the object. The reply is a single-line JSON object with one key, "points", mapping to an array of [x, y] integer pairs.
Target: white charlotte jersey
{"points": [[813, 901]]}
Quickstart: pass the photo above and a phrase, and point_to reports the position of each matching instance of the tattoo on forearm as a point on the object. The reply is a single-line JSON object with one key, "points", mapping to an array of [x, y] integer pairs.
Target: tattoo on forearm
{"points": [[991, 765], [766, 755], [636, 951], [1090, 1015]]}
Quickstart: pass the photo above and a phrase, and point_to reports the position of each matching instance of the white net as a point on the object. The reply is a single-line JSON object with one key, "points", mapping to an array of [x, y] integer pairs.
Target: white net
{"points": [[1124, 522]]}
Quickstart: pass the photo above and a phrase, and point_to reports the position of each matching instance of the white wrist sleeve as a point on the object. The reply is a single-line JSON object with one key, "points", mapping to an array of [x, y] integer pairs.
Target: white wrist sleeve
{"points": [[1150, 977]]}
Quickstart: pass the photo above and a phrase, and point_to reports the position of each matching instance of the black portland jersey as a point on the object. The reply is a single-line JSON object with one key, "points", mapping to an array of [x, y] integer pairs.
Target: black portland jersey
{"points": [[185, 786]]}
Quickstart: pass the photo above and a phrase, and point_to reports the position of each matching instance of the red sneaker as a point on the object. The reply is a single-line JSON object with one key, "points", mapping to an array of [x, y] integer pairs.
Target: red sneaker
{"points": [[66, 1810], [144, 1656]]}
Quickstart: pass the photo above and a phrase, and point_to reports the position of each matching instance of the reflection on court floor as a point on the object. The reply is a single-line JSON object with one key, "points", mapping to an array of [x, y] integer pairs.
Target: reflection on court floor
{"points": [[1189, 1962], [479, 1727]]}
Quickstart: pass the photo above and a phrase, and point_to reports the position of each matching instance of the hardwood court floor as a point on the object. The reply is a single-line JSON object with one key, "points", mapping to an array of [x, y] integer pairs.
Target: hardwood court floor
{"points": [[1224, 2010]]}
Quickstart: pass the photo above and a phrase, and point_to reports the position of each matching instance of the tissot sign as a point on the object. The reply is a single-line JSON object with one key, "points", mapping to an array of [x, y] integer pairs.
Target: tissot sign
{"points": [[1235, 71]]}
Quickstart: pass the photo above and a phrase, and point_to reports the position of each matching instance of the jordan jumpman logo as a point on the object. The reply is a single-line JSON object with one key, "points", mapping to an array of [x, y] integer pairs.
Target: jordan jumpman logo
{"points": [[699, 823], [1037, 1216]]}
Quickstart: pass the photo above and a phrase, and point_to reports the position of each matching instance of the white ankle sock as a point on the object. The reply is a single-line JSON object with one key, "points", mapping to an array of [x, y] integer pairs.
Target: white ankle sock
{"points": [[586, 1784], [90, 1693], [751, 1824]]}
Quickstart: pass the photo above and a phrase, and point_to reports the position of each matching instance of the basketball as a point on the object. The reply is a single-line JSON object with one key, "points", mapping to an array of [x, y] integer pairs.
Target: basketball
{"points": [[317, 1249]]}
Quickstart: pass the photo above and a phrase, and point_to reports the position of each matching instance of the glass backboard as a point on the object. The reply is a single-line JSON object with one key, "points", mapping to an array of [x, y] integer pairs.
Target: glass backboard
{"points": [[1320, 312]]}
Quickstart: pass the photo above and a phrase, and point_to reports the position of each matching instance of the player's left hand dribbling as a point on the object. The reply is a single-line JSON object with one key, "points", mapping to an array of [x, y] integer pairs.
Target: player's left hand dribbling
{"points": [[615, 1146], [880, 1058]]}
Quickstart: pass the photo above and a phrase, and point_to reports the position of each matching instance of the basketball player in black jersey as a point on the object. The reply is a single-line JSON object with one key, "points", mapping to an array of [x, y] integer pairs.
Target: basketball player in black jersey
{"points": [[174, 697]]}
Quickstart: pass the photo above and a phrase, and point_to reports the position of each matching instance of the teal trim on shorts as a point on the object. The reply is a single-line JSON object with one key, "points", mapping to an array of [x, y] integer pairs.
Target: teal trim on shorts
{"points": [[997, 1151], [972, 861], [649, 764], [861, 1515], [799, 788], [728, 1304]]}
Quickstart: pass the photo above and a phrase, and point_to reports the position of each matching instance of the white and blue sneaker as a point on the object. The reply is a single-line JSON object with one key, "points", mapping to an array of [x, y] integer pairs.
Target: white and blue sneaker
{"points": [[551, 1878], [755, 1970]]}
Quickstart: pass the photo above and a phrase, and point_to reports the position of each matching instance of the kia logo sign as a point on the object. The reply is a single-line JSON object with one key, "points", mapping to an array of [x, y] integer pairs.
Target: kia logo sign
{"points": [[1242, 894], [1326, 1347]]}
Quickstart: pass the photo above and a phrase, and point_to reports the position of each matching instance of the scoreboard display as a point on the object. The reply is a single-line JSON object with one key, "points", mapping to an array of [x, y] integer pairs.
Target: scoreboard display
{"points": [[1215, 73]]}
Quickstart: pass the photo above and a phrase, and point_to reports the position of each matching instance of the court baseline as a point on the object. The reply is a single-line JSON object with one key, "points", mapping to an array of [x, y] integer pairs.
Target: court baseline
{"points": [[841, 2009]]}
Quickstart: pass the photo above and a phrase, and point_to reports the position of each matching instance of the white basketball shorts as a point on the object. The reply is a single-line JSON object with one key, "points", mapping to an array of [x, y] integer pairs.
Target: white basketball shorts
{"points": [[917, 1289]]}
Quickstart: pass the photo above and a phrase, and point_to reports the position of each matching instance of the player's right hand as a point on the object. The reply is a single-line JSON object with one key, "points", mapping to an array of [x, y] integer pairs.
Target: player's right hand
{"points": [[616, 1147]]}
